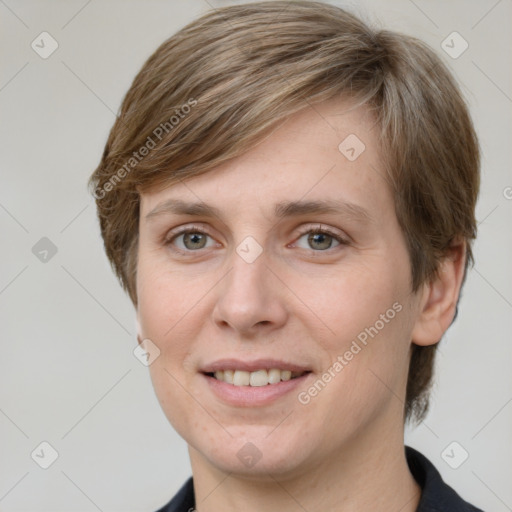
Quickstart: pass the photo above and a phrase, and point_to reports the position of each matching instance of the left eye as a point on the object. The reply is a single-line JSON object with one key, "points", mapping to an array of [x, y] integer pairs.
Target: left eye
{"points": [[321, 240]]}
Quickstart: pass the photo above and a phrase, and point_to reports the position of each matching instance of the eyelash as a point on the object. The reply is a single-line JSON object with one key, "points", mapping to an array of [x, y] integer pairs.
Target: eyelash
{"points": [[323, 231], [196, 229]]}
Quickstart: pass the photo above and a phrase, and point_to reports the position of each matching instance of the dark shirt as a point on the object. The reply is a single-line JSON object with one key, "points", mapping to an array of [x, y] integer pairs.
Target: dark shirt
{"points": [[436, 496]]}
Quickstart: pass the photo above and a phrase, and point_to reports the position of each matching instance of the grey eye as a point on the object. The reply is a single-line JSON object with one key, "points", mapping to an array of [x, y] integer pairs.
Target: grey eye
{"points": [[191, 240], [319, 241], [194, 240]]}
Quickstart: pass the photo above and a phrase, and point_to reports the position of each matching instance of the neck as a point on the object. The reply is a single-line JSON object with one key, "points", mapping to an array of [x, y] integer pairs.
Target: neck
{"points": [[369, 472]]}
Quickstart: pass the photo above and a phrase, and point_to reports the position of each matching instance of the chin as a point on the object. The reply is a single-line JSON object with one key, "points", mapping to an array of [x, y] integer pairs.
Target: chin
{"points": [[255, 456]]}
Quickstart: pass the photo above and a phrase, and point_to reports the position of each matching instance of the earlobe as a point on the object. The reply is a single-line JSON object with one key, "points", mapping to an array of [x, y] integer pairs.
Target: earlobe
{"points": [[438, 304], [138, 329]]}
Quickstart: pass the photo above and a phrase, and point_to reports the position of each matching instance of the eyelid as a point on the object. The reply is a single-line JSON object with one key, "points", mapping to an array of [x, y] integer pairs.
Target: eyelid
{"points": [[320, 228], [184, 229]]}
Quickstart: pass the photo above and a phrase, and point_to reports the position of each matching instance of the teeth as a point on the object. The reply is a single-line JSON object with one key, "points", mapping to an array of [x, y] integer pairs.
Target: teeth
{"points": [[286, 375], [274, 376], [241, 378], [257, 378]]}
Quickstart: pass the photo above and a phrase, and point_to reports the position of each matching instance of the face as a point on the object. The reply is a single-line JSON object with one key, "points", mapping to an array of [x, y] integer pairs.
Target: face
{"points": [[297, 264]]}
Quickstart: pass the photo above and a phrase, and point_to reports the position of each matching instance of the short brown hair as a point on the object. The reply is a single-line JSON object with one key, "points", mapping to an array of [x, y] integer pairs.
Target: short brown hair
{"points": [[241, 69]]}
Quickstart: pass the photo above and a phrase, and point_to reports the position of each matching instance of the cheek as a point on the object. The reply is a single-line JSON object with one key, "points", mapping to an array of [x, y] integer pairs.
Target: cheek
{"points": [[367, 370], [166, 299], [170, 312], [160, 313], [352, 299], [367, 324]]}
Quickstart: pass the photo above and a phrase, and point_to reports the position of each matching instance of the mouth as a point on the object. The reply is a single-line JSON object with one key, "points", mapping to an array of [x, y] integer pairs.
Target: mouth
{"points": [[253, 384], [258, 378]]}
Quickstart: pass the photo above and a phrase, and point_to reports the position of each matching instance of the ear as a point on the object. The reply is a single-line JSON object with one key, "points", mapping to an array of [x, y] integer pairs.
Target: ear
{"points": [[438, 303], [137, 328]]}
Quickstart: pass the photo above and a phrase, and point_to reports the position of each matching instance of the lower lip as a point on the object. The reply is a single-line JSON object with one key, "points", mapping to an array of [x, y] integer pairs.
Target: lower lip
{"points": [[253, 396]]}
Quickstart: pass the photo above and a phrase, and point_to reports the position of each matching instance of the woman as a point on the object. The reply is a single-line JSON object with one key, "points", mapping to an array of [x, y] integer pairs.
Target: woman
{"points": [[288, 197]]}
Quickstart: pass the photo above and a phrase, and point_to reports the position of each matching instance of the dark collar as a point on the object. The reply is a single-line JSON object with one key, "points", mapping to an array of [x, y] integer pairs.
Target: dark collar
{"points": [[436, 496]]}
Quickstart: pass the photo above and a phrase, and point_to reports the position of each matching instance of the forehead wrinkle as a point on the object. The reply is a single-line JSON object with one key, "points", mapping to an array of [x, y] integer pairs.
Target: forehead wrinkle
{"points": [[296, 208], [282, 209], [180, 207]]}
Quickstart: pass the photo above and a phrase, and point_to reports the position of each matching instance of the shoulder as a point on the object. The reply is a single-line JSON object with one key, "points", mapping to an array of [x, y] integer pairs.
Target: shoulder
{"points": [[183, 500], [436, 495]]}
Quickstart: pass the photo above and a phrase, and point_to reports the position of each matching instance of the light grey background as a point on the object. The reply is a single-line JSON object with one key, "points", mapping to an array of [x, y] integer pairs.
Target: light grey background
{"points": [[68, 374]]}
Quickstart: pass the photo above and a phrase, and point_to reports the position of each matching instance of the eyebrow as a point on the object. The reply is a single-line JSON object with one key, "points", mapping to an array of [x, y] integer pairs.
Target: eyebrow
{"points": [[281, 210]]}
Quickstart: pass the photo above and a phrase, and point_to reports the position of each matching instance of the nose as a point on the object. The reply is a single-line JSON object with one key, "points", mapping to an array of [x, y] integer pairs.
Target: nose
{"points": [[251, 299]]}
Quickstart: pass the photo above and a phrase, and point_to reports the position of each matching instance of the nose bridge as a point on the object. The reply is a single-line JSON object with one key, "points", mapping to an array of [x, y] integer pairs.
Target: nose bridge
{"points": [[249, 295]]}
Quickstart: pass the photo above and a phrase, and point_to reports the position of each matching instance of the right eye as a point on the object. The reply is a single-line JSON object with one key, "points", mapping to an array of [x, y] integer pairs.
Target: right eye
{"points": [[189, 240]]}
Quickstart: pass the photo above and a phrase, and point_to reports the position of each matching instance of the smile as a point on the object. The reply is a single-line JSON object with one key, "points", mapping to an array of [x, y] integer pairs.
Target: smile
{"points": [[254, 383], [256, 378]]}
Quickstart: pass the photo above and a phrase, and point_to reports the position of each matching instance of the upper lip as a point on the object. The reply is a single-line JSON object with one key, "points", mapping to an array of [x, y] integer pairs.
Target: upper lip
{"points": [[251, 366]]}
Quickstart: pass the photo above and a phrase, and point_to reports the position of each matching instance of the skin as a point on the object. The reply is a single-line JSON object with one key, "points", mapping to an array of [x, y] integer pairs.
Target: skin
{"points": [[343, 450]]}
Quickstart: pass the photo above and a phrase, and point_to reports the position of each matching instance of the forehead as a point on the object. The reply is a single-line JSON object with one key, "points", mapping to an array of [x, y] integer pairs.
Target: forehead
{"points": [[328, 151]]}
